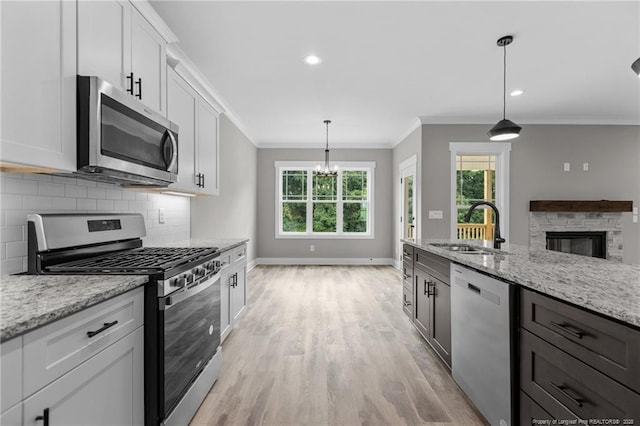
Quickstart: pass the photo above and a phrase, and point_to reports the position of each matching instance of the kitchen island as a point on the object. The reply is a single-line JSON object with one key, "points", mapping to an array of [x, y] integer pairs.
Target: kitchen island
{"points": [[607, 288], [569, 338]]}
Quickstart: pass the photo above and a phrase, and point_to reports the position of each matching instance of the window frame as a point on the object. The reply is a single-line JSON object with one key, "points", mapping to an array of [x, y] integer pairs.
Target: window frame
{"points": [[309, 167], [502, 151]]}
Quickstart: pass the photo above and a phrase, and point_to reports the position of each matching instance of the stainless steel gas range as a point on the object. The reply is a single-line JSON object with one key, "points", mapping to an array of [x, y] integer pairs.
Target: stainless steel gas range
{"points": [[182, 300]]}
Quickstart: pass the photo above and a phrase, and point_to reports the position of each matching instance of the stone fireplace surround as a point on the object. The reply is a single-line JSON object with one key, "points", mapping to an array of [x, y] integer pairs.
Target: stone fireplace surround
{"points": [[542, 222], [579, 216]]}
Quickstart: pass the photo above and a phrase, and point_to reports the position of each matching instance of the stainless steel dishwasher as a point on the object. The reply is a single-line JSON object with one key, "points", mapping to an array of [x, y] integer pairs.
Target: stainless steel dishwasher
{"points": [[482, 342]]}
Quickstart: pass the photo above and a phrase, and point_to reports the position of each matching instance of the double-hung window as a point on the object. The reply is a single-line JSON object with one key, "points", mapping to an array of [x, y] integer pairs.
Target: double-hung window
{"points": [[312, 205]]}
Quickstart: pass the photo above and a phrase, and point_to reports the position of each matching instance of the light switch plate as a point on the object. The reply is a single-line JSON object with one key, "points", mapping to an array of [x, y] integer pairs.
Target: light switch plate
{"points": [[585, 167], [160, 215], [567, 167], [435, 214]]}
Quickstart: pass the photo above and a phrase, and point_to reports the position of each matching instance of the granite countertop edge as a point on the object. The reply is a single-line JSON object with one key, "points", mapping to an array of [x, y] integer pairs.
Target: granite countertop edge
{"points": [[28, 302], [575, 279], [23, 308]]}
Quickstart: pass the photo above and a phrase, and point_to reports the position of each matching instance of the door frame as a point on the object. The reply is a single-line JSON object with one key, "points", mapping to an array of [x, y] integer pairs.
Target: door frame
{"points": [[408, 165], [502, 152]]}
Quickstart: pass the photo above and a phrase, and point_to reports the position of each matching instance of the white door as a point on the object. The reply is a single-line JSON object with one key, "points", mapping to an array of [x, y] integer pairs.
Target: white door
{"points": [[107, 389], [39, 83], [408, 197], [148, 58], [182, 106], [104, 41], [207, 153]]}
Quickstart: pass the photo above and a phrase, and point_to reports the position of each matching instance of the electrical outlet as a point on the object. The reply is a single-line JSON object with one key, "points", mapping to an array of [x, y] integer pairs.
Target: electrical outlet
{"points": [[160, 215], [585, 167], [312, 248], [435, 214], [635, 210], [567, 167]]}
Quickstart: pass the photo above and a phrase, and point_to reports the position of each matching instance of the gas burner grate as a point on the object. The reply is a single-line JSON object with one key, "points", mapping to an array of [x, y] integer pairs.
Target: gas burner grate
{"points": [[143, 260]]}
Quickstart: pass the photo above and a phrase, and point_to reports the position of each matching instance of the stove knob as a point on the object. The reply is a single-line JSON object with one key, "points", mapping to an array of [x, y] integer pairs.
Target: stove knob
{"points": [[180, 282], [199, 272], [189, 277]]}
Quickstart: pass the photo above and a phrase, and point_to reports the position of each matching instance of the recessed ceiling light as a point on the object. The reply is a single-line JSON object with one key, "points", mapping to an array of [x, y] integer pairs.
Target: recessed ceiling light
{"points": [[312, 60], [517, 92]]}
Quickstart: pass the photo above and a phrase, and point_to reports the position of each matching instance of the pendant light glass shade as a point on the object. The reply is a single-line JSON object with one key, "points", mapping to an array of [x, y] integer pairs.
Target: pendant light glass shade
{"points": [[504, 129], [325, 170], [636, 66]]}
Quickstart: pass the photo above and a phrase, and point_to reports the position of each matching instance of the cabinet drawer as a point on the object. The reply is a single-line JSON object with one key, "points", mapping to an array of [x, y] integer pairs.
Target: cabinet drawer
{"points": [[530, 411], [11, 369], [239, 254], [569, 389], [407, 253], [225, 259], [54, 349], [407, 302], [612, 348], [434, 264], [407, 275]]}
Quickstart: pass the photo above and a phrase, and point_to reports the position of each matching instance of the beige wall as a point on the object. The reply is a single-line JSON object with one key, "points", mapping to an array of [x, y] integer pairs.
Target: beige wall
{"points": [[380, 247], [537, 157], [232, 214]]}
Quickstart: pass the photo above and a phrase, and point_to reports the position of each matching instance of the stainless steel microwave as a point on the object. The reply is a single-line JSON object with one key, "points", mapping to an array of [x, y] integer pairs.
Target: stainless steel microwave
{"points": [[121, 140]]}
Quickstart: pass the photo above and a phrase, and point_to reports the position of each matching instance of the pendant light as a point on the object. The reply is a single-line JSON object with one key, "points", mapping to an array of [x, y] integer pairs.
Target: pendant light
{"points": [[504, 129], [636, 66], [326, 170]]}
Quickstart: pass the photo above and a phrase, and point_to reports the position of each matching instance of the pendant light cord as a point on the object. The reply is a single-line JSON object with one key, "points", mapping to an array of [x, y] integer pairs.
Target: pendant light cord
{"points": [[504, 83]]}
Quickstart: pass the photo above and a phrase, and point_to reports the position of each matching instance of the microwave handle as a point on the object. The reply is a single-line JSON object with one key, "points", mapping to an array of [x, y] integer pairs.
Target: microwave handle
{"points": [[174, 150]]}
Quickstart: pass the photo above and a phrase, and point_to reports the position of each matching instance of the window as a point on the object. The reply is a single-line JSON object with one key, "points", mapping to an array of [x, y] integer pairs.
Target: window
{"points": [[479, 171], [308, 204]]}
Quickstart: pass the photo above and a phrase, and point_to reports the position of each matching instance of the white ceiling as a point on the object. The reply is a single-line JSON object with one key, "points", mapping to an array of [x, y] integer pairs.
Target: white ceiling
{"points": [[388, 64]]}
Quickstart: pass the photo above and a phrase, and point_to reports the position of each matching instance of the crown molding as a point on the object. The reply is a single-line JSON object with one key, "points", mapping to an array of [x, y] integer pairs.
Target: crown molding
{"points": [[150, 14], [416, 122], [590, 121]]}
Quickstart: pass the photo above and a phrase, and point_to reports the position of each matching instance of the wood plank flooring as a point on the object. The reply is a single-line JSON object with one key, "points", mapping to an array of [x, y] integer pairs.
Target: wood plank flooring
{"points": [[330, 345]]}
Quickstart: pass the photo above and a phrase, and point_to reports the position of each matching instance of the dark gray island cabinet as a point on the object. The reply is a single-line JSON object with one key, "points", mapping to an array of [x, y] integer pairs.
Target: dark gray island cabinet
{"points": [[572, 364], [576, 365], [427, 298]]}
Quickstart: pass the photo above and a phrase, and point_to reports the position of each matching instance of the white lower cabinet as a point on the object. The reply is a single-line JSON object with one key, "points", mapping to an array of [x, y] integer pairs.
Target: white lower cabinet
{"points": [[233, 291], [105, 390], [85, 369]]}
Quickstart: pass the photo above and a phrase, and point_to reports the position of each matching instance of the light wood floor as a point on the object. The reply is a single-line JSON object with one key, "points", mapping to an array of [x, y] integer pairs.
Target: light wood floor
{"points": [[330, 345]]}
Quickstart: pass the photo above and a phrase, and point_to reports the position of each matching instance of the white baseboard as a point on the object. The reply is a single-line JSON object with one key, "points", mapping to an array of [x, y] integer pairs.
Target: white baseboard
{"points": [[251, 264], [324, 261], [397, 264]]}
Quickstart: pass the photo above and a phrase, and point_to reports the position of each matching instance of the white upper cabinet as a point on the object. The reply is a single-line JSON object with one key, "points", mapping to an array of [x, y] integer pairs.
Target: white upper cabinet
{"points": [[207, 154], [182, 109], [116, 43], [197, 137], [104, 47], [39, 84], [149, 59]]}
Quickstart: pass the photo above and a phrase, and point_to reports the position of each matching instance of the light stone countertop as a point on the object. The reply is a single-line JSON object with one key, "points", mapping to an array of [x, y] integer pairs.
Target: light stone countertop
{"points": [[609, 288], [31, 301]]}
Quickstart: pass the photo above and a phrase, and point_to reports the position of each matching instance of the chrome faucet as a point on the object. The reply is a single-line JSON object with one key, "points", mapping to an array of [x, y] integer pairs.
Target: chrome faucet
{"points": [[497, 239]]}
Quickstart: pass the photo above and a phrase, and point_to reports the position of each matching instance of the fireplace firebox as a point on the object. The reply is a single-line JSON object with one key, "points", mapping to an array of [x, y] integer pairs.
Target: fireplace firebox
{"points": [[592, 243]]}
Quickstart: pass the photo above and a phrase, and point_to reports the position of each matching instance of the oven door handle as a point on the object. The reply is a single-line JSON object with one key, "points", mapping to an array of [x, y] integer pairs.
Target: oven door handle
{"points": [[170, 301]]}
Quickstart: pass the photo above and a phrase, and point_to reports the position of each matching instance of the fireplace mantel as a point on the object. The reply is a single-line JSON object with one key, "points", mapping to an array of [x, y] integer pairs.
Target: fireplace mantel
{"points": [[605, 206]]}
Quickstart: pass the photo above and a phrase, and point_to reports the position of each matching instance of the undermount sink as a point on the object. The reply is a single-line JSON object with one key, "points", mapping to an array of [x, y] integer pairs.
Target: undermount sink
{"points": [[461, 248]]}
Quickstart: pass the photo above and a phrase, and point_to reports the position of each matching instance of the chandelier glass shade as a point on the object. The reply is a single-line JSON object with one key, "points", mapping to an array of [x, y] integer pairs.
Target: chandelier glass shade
{"points": [[326, 170]]}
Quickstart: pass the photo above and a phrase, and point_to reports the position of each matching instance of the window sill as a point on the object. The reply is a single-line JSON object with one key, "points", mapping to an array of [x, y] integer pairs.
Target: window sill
{"points": [[324, 237]]}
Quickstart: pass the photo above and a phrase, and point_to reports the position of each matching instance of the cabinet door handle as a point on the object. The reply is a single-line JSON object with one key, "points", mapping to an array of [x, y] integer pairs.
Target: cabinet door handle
{"points": [[130, 88], [44, 417], [405, 302], [106, 325], [139, 84], [426, 292], [567, 328], [563, 392], [406, 276], [203, 180], [431, 285]]}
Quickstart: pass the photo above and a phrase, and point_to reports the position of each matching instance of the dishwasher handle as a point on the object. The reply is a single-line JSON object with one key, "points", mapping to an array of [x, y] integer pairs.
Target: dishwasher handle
{"points": [[473, 288]]}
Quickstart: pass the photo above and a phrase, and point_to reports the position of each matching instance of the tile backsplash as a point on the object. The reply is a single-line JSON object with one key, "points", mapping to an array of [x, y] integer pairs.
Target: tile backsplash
{"points": [[23, 194]]}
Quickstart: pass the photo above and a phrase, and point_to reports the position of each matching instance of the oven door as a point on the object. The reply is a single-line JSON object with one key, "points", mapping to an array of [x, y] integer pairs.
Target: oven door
{"points": [[191, 336]]}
